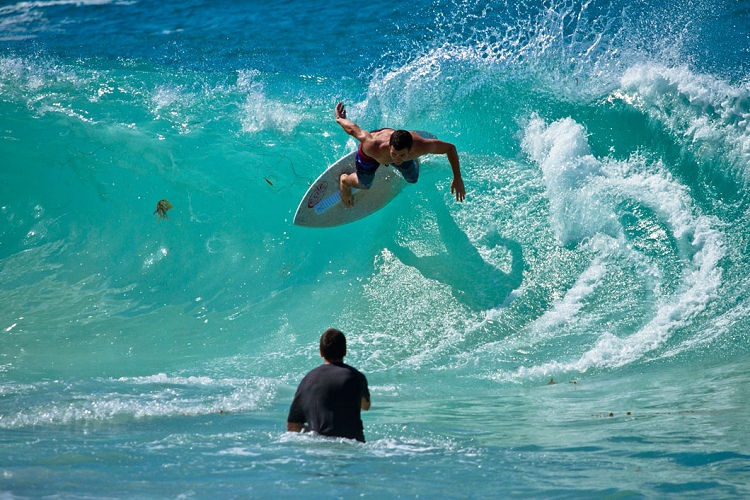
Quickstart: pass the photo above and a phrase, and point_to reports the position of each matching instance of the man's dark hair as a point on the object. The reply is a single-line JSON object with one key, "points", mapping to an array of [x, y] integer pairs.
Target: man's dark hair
{"points": [[401, 139], [333, 345]]}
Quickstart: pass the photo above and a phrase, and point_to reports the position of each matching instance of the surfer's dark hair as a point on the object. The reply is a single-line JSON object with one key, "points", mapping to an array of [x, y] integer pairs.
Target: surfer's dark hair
{"points": [[401, 139], [333, 345]]}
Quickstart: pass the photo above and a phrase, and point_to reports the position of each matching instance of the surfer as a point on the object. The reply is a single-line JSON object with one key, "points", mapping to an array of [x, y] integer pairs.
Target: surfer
{"points": [[399, 148], [330, 397]]}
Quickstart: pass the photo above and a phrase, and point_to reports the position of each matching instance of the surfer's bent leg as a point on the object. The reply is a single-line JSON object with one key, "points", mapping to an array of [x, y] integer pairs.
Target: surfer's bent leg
{"points": [[346, 183], [361, 178]]}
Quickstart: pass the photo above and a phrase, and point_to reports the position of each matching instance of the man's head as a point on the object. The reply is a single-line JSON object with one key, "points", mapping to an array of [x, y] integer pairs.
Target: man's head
{"points": [[333, 345], [400, 143]]}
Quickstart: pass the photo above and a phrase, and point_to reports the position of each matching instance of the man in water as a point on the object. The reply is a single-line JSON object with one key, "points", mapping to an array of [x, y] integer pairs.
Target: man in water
{"points": [[330, 397], [400, 148]]}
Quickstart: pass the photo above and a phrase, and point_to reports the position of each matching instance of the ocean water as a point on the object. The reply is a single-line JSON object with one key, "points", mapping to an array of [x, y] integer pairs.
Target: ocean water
{"points": [[603, 245]]}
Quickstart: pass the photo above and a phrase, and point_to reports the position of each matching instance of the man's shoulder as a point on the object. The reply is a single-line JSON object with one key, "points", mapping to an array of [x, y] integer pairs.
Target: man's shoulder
{"points": [[337, 367], [341, 367], [340, 364], [381, 135]]}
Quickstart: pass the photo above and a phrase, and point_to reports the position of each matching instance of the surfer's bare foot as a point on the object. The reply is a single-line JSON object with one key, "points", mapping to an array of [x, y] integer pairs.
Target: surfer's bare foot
{"points": [[346, 192]]}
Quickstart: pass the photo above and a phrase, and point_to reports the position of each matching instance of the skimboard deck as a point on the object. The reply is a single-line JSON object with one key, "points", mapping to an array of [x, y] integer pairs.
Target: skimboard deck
{"points": [[321, 205]]}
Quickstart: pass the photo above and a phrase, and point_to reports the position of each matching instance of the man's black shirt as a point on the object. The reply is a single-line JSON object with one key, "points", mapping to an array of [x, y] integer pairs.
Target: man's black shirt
{"points": [[329, 400]]}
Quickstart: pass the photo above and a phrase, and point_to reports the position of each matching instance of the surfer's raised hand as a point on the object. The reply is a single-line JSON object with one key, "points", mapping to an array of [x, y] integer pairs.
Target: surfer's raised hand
{"points": [[457, 186], [340, 111], [349, 126]]}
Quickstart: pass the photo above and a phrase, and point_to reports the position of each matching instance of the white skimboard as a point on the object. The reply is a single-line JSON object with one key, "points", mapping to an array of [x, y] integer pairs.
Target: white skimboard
{"points": [[321, 205]]}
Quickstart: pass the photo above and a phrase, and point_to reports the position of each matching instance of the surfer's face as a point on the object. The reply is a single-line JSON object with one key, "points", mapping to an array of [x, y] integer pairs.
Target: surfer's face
{"points": [[399, 155]]}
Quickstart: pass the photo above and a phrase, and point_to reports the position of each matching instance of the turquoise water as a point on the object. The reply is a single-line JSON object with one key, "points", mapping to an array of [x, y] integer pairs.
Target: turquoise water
{"points": [[603, 244]]}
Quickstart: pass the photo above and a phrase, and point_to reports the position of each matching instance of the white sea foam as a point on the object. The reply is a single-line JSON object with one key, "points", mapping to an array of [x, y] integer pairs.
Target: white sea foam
{"points": [[138, 397], [562, 151], [259, 112], [578, 186], [566, 310], [32, 74], [166, 96]]}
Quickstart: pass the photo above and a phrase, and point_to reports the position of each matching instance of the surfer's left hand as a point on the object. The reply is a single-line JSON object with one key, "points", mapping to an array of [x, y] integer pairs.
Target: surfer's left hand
{"points": [[457, 187], [340, 111]]}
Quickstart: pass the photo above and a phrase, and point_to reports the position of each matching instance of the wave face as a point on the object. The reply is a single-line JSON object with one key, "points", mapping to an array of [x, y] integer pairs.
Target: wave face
{"points": [[603, 245]]}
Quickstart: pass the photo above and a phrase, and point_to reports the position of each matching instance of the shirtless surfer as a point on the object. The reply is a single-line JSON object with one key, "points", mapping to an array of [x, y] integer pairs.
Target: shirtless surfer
{"points": [[399, 148]]}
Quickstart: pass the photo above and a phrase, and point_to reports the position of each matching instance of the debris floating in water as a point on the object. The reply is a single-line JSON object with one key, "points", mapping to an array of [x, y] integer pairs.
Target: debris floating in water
{"points": [[161, 209]]}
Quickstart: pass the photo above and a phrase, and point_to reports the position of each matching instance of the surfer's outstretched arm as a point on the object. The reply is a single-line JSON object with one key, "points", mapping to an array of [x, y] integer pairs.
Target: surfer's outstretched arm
{"points": [[349, 126], [424, 146]]}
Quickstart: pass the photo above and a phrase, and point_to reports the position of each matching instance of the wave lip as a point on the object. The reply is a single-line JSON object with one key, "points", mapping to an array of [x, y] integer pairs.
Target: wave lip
{"points": [[706, 113]]}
